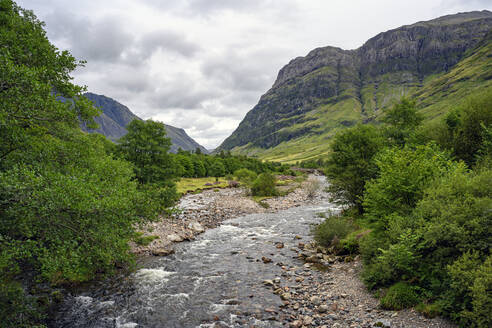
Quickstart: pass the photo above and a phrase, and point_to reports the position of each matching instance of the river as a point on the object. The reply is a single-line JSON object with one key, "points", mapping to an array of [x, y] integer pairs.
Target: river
{"points": [[213, 281]]}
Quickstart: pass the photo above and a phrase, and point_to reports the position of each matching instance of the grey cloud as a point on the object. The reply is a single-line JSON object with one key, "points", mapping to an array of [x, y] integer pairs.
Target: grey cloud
{"points": [[468, 4], [207, 7], [168, 41], [107, 40], [182, 94], [236, 71], [104, 40]]}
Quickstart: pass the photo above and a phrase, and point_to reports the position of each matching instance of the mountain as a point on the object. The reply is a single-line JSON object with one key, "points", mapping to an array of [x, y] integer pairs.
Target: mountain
{"points": [[437, 62], [115, 117]]}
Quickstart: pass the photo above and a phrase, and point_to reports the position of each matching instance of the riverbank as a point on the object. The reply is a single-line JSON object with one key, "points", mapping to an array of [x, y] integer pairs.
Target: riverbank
{"points": [[329, 293], [209, 208]]}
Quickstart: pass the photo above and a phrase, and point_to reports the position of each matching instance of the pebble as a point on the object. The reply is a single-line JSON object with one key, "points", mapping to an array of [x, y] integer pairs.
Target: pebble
{"points": [[316, 300]]}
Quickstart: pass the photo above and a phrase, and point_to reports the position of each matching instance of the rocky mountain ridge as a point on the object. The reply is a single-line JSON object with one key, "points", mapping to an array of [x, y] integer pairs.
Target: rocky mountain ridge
{"points": [[331, 88], [116, 116]]}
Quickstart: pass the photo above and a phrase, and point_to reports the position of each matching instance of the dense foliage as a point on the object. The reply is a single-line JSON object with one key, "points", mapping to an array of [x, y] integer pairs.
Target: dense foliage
{"points": [[67, 207], [350, 164], [427, 204], [264, 185]]}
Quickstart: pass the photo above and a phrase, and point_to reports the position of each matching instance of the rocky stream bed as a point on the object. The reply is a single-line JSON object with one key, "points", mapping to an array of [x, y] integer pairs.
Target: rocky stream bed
{"points": [[241, 265]]}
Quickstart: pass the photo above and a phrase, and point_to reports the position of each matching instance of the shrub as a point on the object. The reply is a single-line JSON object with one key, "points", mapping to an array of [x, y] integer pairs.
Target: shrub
{"points": [[246, 176], [399, 296], [312, 186], [429, 310], [443, 247], [351, 243], [468, 300], [264, 185], [404, 176], [332, 230]]}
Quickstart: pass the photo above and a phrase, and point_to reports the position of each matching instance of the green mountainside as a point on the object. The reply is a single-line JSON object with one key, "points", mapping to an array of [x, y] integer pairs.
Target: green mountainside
{"points": [[115, 117], [437, 62]]}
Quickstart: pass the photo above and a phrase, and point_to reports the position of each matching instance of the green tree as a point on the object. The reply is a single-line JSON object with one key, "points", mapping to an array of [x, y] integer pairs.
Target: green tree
{"points": [[146, 146], [217, 168], [467, 127], [351, 163], [401, 121], [67, 208], [199, 168], [32, 73]]}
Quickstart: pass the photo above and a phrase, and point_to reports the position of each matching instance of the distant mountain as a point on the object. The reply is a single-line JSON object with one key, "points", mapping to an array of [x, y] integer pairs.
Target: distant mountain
{"points": [[115, 117], [437, 62]]}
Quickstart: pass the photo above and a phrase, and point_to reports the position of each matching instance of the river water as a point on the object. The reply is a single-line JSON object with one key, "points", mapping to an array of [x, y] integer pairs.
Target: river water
{"points": [[213, 281]]}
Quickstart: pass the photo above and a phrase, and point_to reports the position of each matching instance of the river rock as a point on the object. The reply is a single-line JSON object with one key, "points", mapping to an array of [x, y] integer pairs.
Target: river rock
{"points": [[315, 300], [268, 283], [296, 324], [307, 320], [161, 251], [322, 308], [266, 259], [312, 259], [196, 227], [382, 323], [175, 238], [285, 296]]}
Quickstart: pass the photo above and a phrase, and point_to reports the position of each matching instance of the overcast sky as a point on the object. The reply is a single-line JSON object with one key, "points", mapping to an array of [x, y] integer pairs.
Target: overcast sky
{"points": [[203, 64]]}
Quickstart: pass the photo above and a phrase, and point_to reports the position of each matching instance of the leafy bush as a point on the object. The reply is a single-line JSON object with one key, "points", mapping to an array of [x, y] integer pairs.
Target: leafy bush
{"points": [[468, 299], [264, 185], [404, 175], [399, 296], [443, 246], [332, 230], [246, 176]]}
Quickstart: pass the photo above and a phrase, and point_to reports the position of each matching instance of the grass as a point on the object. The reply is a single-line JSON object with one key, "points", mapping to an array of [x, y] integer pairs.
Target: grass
{"points": [[142, 240], [185, 185]]}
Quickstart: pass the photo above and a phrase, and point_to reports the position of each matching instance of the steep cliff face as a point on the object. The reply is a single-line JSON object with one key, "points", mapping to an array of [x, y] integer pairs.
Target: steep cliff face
{"points": [[115, 117], [332, 88]]}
